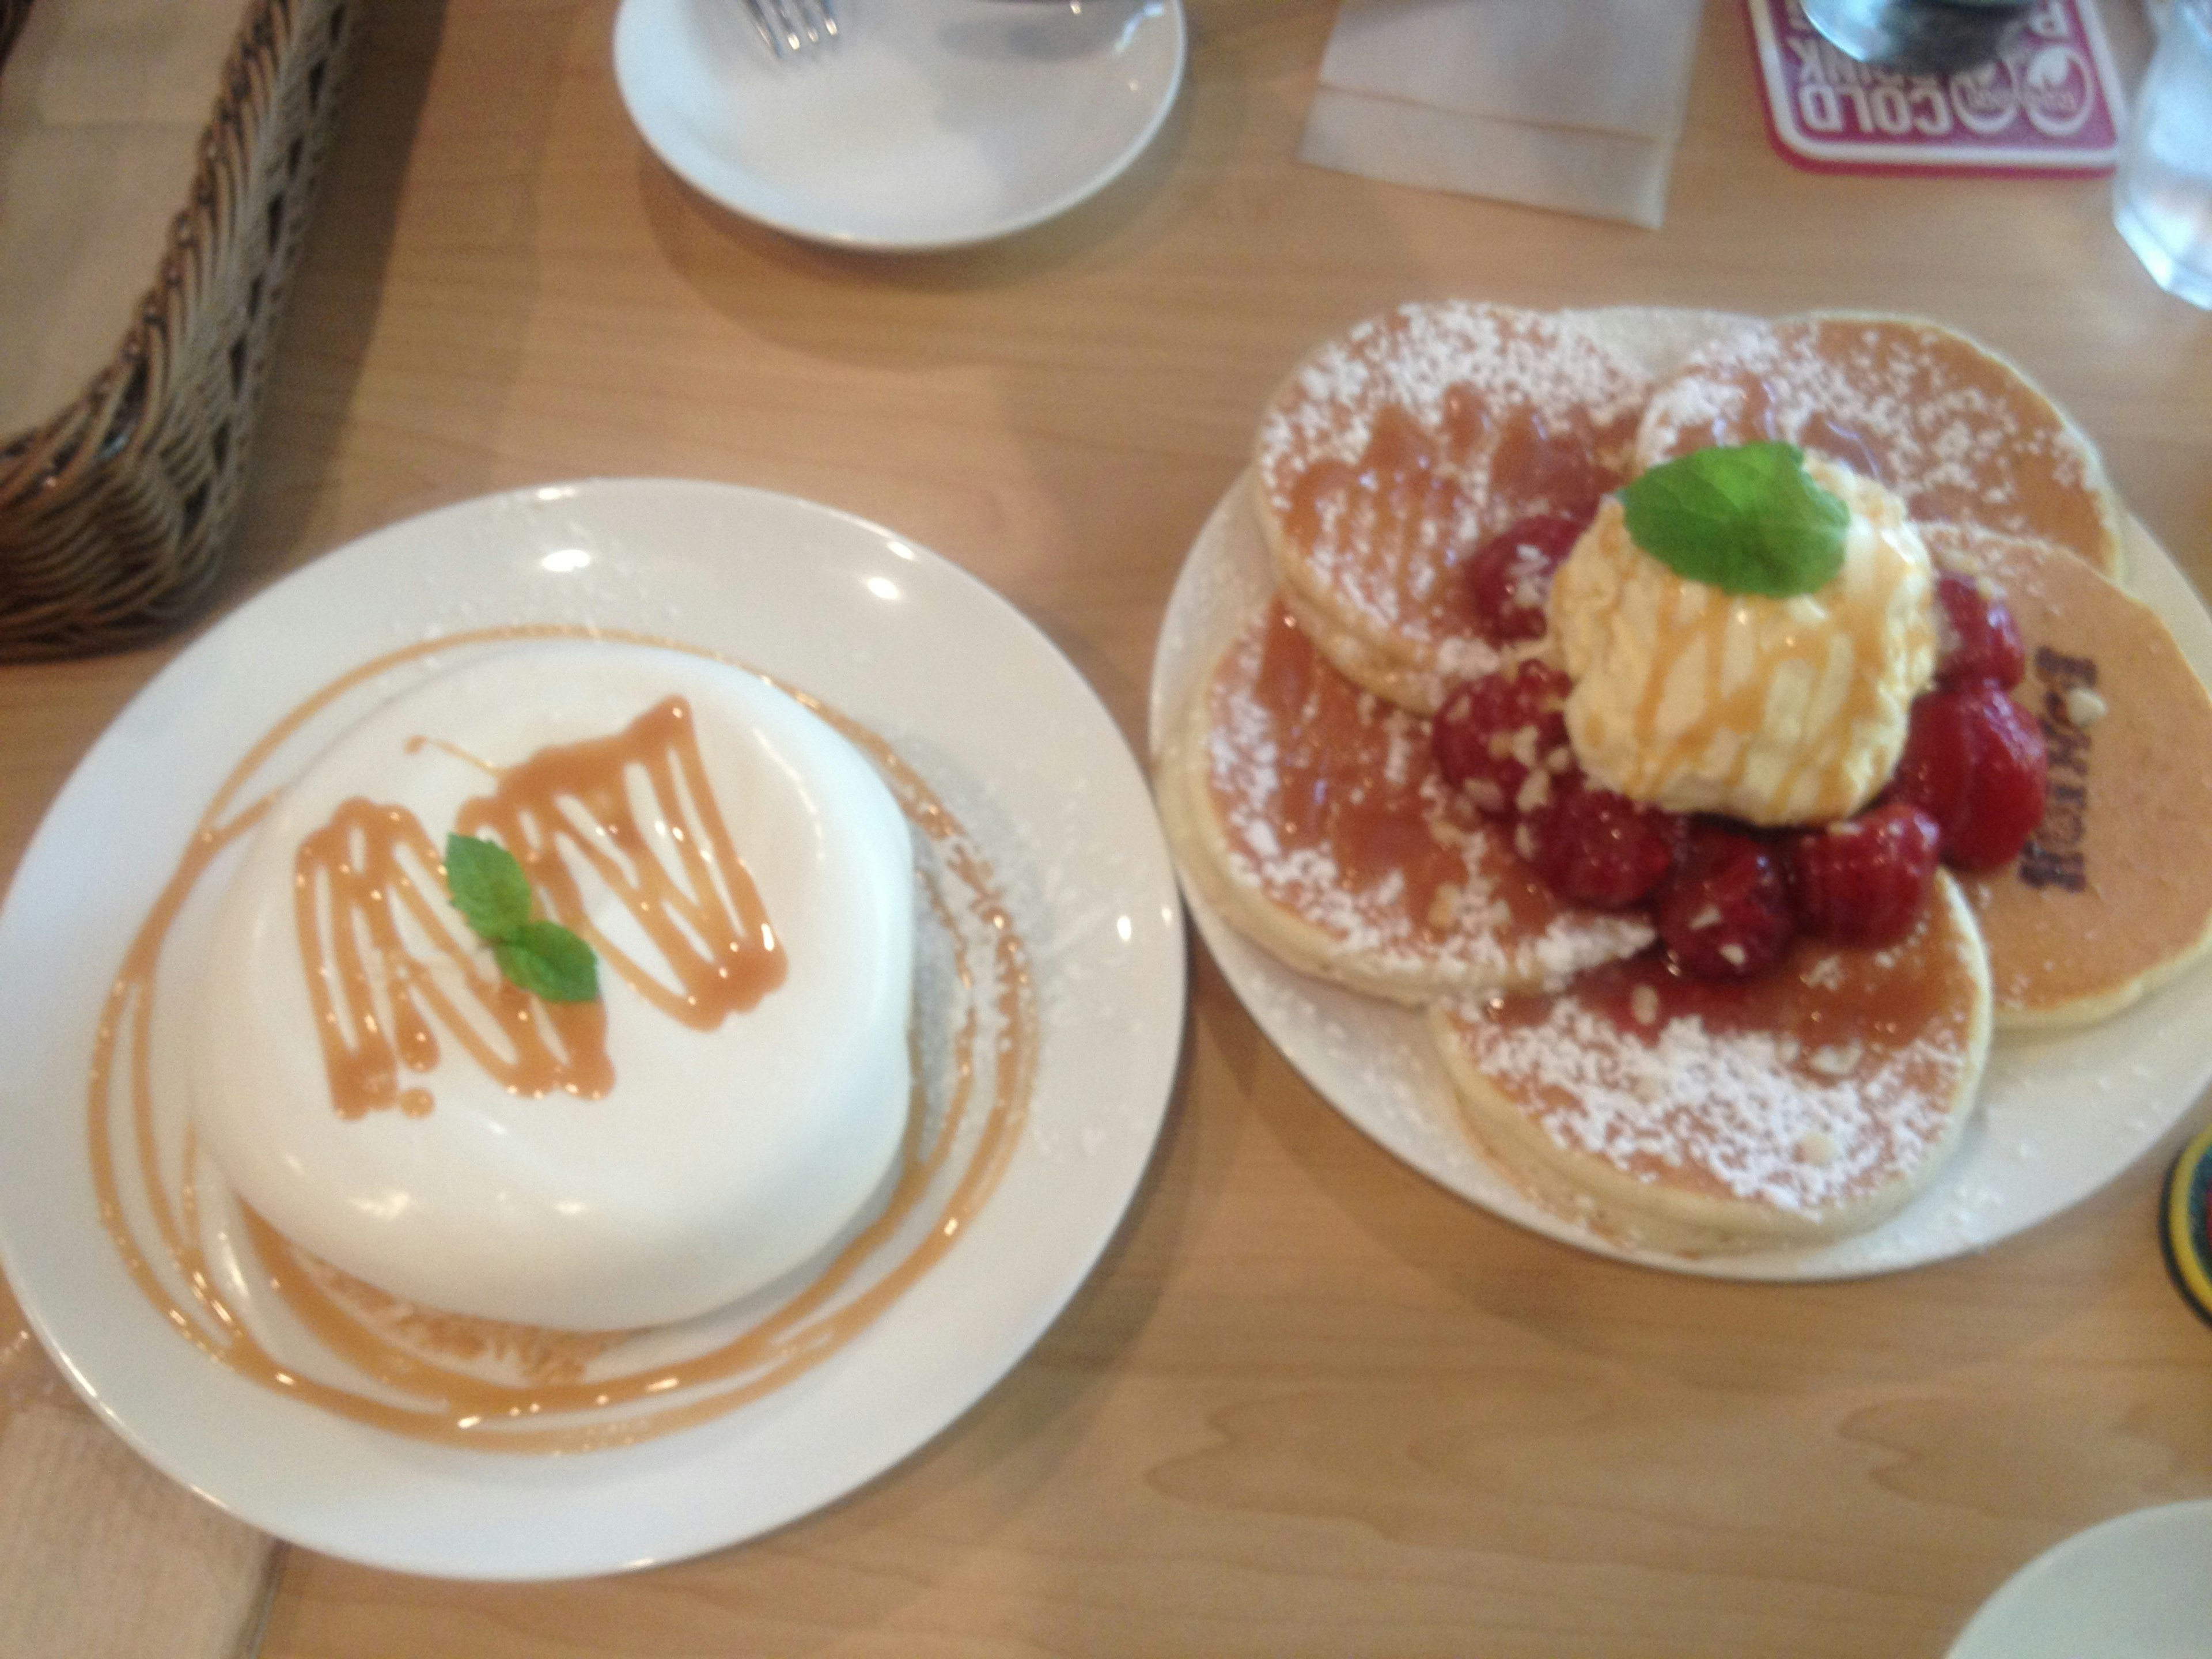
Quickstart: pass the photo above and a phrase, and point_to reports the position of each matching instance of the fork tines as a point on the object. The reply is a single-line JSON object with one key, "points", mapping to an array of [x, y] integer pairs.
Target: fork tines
{"points": [[792, 26]]}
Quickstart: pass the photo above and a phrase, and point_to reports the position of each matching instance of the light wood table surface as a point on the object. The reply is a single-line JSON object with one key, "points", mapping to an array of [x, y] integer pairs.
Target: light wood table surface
{"points": [[1310, 1404]]}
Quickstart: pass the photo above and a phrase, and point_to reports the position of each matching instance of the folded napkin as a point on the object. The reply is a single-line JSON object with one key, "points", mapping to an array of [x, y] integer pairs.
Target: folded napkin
{"points": [[101, 1557], [101, 106], [1567, 104]]}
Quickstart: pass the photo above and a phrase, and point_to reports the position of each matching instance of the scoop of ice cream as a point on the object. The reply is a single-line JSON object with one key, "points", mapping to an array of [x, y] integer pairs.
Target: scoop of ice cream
{"points": [[1774, 711]]}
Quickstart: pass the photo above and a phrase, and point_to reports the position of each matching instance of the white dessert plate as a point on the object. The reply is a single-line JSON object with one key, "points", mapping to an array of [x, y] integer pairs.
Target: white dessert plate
{"points": [[2060, 1114], [963, 690], [2132, 1587], [928, 124]]}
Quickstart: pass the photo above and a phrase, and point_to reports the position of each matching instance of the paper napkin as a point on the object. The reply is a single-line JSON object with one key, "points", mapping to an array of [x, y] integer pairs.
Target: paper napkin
{"points": [[1569, 104], [101, 1557], [102, 103]]}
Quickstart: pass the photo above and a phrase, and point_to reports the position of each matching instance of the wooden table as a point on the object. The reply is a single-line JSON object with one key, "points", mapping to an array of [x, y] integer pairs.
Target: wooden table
{"points": [[1309, 1403]]}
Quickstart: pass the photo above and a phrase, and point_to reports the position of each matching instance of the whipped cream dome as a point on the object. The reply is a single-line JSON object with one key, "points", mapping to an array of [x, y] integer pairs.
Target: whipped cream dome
{"points": [[1774, 711], [705, 1156]]}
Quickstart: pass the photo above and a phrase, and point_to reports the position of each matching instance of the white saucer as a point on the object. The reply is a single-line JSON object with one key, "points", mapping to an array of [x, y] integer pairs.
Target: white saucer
{"points": [[2134, 1588], [963, 690], [928, 124], [2060, 1114]]}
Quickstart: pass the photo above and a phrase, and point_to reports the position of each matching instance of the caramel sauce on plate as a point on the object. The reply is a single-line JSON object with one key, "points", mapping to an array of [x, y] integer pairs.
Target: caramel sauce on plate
{"points": [[571, 1392]]}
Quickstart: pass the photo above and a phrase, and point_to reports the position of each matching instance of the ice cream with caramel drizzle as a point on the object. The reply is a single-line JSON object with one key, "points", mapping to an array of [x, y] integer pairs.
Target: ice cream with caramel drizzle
{"points": [[1775, 711], [371, 1084]]}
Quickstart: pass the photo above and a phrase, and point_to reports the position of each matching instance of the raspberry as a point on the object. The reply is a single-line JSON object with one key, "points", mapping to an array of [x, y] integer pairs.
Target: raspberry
{"points": [[1595, 848], [1862, 881], [1725, 914], [1492, 732], [1509, 577], [1981, 641], [1975, 762]]}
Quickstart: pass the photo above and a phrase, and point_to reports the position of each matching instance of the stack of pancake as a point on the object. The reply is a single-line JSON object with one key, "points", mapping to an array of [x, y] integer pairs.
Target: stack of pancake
{"points": [[1299, 790]]}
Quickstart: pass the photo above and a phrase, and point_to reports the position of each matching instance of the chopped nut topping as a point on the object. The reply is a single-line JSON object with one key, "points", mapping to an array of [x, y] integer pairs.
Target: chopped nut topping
{"points": [[2085, 708]]}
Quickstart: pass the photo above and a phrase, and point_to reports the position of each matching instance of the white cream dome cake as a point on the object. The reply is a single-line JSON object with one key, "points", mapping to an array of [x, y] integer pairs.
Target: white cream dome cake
{"points": [[370, 1082]]}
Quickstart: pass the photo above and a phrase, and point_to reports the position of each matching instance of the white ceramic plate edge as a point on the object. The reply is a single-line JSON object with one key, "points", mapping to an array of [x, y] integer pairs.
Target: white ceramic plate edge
{"points": [[633, 17], [938, 1382]]}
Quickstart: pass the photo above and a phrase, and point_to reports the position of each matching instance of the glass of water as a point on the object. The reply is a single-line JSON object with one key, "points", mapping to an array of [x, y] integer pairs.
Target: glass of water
{"points": [[2162, 194]]}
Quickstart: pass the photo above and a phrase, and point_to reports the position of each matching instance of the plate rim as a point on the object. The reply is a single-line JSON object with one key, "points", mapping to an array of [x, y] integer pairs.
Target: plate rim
{"points": [[1155, 1068], [1988, 1621], [985, 231]]}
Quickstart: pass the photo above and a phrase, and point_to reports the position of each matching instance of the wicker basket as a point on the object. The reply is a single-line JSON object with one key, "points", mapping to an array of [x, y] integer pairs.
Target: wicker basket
{"points": [[115, 514]]}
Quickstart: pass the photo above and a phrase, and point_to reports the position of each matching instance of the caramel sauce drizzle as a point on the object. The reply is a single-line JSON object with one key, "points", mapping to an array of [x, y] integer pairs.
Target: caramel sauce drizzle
{"points": [[1337, 790], [1742, 709], [355, 877], [706, 923], [352, 880], [1410, 485], [408, 1349]]}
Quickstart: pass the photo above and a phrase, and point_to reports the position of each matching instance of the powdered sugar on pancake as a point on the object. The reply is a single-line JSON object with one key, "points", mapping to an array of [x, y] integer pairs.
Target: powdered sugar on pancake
{"points": [[1400, 445], [1956, 431], [1731, 1108], [1331, 810], [1816, 1087]]}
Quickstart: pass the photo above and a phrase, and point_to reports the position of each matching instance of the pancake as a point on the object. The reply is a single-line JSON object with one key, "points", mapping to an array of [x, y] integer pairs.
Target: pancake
{"points": [[1311, 815], [1790, 1111], [2113, 894], [1960, 433], [1396, 449]]}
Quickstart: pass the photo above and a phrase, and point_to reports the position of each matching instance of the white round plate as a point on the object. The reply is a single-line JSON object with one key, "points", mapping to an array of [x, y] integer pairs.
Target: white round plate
{"points": [[2061, 1114], [965, 690], [2133, 1588], [928, 124]]}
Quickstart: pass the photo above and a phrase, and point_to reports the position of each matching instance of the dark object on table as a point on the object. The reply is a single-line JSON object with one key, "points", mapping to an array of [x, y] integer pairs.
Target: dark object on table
{"points": [[1919, 36], [2185, 1229], [116, 511]]}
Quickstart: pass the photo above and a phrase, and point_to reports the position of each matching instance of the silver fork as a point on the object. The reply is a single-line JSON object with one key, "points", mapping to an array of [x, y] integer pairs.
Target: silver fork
{"points": [[793, 27]]}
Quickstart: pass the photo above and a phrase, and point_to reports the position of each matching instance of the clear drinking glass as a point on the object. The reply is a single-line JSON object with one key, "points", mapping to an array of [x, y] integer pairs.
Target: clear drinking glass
{"points": [[2162, 193]]}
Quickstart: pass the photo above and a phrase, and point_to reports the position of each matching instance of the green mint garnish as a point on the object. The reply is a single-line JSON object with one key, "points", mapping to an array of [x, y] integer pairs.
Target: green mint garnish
{"points": [[488, 885], [547, 960], [492, 893], [1749, 520]]}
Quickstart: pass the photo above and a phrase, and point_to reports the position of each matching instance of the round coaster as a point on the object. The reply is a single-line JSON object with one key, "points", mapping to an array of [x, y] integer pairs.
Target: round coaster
{"points": [[2182, 1232]]}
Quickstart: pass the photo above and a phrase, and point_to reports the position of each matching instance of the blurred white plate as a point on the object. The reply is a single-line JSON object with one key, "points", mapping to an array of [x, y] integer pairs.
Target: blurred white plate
{"points": [[963, 689], [2137, 1587], [928, 124], [2060, 1114]]}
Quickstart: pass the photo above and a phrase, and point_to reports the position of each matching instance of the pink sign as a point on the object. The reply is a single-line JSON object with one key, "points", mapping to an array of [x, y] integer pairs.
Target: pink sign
{"points": [[2051, 105]]}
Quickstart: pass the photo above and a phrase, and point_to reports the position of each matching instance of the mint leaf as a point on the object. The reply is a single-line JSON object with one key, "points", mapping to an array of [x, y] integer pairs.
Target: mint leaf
{"points": [[492, 893], [547, 960], [488, 885], [1747, 520]]}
